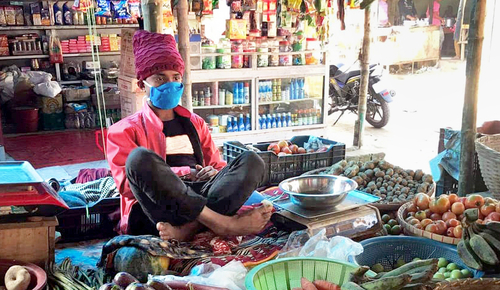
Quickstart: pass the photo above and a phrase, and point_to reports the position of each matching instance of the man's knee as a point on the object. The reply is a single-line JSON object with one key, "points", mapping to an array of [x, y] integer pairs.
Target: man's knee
{"points": [[253, 160], [139, 159]]}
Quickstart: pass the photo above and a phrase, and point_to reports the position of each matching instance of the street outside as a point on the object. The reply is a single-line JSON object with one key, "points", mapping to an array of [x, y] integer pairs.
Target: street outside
{"points": [[424, 103]]}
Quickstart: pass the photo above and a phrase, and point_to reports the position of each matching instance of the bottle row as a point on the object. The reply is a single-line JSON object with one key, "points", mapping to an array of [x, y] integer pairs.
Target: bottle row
{"points": [[281, 90], [239, 95], [289, 119], [228, 123]]}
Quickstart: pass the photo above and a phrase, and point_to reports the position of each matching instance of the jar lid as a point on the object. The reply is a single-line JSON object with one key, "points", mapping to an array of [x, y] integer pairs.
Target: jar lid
{"points": [[284, 42], [311, 39]]}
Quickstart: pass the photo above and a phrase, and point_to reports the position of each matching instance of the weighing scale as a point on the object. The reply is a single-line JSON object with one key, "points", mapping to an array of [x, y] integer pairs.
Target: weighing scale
{"points": [[353, 218], [23, 192]]}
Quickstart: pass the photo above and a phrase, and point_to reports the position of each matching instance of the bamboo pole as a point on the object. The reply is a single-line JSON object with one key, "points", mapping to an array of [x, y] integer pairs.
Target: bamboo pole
{"points": [[363, 86], [430, 6], [152, 15], [469, 116], [183, 33]]}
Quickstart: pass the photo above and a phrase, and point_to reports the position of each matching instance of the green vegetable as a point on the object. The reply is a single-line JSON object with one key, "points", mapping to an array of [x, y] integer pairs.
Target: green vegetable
{"points": [[139, 263]]}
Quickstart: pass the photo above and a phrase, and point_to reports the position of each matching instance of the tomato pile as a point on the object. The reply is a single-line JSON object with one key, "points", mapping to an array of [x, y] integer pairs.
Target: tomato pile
{"points": [[444, 215], [285, 147]]}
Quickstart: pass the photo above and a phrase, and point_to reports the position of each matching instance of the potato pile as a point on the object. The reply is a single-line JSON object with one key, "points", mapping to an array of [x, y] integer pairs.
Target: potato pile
{"points": [[392, 184]]}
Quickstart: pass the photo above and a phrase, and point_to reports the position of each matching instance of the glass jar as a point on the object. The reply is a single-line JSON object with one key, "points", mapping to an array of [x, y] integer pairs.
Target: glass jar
{"points": [[249, 47], [313, 48], [274, 58], [298, 45], [285, 59], [262, 59], [208, 62], [224, 47], [237, 60]]}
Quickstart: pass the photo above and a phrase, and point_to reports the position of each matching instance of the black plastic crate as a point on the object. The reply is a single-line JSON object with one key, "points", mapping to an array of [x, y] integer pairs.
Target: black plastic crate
{"points": [[448, 184], [81, 223], [281, 168]]}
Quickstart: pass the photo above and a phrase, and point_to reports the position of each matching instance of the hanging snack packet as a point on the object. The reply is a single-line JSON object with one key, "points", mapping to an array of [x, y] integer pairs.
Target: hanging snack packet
{"points": [[310, 9], [19, 15], [134, 7], [3, 21], [68, 16], [207, 7], [121, 11], [10, 15], [55, 50], [58, 15], [103, 8]]}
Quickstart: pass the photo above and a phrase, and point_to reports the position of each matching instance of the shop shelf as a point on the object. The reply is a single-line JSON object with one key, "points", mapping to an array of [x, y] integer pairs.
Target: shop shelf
{"points": [[288, 101], [220, 107], [101, 53], [13, 57], [66, 27], [280, 168]]}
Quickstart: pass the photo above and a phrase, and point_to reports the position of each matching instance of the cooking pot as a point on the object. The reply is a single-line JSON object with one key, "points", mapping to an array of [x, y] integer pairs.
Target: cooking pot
{"points": [[449, 22]]}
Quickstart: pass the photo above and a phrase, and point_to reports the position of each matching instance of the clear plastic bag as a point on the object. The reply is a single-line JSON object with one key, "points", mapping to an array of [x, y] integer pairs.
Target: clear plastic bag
{"points": [[48, 89], [338, 247]]}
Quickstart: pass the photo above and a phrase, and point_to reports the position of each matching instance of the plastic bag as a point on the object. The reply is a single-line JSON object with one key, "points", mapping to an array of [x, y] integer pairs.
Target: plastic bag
{"points": [[104, 8], [338, 247], [120, 8], [38, 77], [230, 276], [48, 89], [294, 244]]}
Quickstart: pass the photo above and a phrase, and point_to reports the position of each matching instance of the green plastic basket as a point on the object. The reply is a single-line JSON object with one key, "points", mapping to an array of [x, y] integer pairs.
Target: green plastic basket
{"points": [[285, 274]]}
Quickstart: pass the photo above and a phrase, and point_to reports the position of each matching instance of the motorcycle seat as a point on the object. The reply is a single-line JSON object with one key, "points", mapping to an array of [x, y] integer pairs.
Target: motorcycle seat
{"points": [[342, 76]]}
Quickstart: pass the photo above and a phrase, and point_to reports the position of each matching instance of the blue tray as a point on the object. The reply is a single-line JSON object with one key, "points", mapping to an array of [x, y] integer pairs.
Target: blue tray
{"points": [[18, 172]]}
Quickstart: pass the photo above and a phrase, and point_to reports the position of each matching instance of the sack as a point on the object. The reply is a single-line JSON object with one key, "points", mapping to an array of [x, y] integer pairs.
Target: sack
{"points": [[48, 89]]}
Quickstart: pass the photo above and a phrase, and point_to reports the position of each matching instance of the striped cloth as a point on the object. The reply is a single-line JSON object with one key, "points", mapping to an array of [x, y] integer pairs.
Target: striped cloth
{"points": [[95, 190]]}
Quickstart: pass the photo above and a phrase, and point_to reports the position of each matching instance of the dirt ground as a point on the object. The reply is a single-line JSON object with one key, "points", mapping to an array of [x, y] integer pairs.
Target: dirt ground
{"points": [[425, 102]]}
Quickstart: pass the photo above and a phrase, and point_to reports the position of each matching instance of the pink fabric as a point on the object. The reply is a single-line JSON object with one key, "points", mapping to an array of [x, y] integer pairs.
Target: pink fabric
{"points": [[91, 174], [435, 9], [145, 129], [155, 52], [383, 17]]}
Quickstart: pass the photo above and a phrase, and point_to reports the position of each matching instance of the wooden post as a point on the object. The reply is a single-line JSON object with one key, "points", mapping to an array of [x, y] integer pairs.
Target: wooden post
{"points": [[363, 86], [431, 11], [469, 116], [183, 32], [151, 10]]}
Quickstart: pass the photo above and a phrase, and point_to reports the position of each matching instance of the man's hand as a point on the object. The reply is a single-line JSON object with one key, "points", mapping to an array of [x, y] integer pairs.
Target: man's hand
{"points": [[205, 173]]}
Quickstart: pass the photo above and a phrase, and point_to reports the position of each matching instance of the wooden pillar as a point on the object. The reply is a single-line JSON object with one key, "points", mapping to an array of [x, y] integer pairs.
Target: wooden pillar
{"points": [[469, 116], [151, 10], [363, 86], [430, 6], [183, 33]]}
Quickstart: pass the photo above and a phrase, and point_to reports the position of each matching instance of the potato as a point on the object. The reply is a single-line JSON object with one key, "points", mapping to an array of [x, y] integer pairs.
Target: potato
{"points": [[370, 173], [342, 163], [427, 178], [379, 184], [368, 190], [422, 187], [384, 165], [395, 175], [380, 179], [369, 165], [405, 190], [387, 177], [389, 172], [390, 188], [380, 173], [404, 182], [410, 172], [350, 163], [358, 179], [418, 175], [350, 172], [335, 169], [398, 169]]}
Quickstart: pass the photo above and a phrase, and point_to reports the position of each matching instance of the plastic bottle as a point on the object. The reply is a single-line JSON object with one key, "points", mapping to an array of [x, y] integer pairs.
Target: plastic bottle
{"points": [[289, 120], [248, 125], [301, 89], [229, 98], [292, 89], [235, 124], [222, 97], [208, 96], [262, 121], [241, 123], [241, 92], [278, 120], [247, 93], [196, 103], [268, 121], [278, 90], [201, 98], [236, 97], [300, 118], [229, 124], [296, 89], [273, 121], [270, 90]]}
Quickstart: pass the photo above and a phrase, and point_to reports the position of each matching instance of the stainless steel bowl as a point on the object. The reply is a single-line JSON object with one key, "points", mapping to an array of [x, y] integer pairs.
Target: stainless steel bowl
{"points": [[317, 191]]}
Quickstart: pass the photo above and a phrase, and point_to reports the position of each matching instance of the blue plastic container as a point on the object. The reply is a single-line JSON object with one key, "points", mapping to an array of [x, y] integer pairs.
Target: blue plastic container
{"points": [[387, 250]]}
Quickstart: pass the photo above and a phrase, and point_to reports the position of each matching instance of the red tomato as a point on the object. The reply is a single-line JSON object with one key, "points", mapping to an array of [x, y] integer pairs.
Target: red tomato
{"points": [[458, 208], [453, 198], [453, 222], [474, 200], [440, 205], [436, 217], [487, 208], [422, 200], [450, 232], [449, 215], [458, 231], [441, 227]]}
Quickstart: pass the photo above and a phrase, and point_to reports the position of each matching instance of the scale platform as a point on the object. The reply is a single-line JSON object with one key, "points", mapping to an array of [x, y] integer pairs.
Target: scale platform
{"points": [[353, 218]]}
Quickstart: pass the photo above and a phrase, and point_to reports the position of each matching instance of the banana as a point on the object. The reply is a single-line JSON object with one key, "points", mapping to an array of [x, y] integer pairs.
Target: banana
{"points": [[421, 269], [483, 249], [393, 283], [492, 240], [494, 226], [471, 214], [412, 265], [467, 255], [425, 276]]}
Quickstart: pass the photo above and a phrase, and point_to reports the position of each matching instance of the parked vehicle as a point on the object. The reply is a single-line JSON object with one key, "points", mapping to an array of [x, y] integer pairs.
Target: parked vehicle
{"points": [[344, 93]]}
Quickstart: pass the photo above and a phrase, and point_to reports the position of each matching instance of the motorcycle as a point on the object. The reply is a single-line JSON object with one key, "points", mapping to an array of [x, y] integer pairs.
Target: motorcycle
{"points": [[344, 93]]}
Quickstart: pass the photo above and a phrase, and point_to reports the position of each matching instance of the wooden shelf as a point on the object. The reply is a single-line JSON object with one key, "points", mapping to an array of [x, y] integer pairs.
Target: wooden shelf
{"points": [[101, 53], [220, 107], [12, 57], [66, 27], [77, 82], [289, 101]]}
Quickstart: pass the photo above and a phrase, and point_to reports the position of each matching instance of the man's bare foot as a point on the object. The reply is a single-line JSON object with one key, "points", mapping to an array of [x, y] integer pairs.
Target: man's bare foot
{"points": [[183, 233], [247, 223]]}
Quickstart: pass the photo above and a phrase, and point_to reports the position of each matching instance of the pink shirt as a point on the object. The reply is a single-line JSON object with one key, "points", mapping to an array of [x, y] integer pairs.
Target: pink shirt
{"points": [[435, 9], [383, 17]]}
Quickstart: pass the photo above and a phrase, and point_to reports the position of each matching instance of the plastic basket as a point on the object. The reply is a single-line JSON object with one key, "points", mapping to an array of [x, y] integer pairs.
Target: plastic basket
{"points": [[285, 274], [413, 231], [387, 250], [87, 223], [283, 167]]}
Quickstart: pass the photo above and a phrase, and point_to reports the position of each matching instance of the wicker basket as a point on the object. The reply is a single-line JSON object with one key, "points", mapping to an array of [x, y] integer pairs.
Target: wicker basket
{"points": [[379, 205], [470, 284], [413, 231], [488, 152]]}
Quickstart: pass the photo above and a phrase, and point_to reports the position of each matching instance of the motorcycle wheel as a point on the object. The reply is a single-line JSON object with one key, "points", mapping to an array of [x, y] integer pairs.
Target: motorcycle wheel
{"points": [[377, 110]]}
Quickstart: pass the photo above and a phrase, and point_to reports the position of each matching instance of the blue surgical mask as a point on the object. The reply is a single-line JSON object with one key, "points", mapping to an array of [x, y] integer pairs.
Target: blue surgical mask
{"points": [[166, 96]]}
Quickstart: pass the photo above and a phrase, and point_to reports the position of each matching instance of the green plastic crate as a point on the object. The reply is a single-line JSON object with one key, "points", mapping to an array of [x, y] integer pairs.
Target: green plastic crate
{"points": [[285, 274]]}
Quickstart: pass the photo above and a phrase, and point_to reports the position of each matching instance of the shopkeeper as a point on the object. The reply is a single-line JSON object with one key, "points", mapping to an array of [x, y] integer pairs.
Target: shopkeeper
{"points": [[437, 21], [171, 177], [407, 10]]}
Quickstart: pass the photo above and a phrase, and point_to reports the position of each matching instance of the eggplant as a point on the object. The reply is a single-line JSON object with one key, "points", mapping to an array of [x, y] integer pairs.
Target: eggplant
{"points": [[124, 279]]}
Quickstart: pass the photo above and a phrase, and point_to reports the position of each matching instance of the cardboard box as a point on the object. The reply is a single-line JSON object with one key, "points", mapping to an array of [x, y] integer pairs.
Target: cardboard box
{"points": [[51, 105], [111, 100], [236, 29], [131, 103], [128, 84], [127, 61], [76, 94]]}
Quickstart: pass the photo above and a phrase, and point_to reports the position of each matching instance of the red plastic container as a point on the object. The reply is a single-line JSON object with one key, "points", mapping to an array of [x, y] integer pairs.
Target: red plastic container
{"points": [[26, 119]]}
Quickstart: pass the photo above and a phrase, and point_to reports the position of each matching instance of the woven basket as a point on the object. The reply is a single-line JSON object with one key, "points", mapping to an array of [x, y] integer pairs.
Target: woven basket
{"points": [[413, 231], [488, 152], [379, 205], [470, 284]]}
